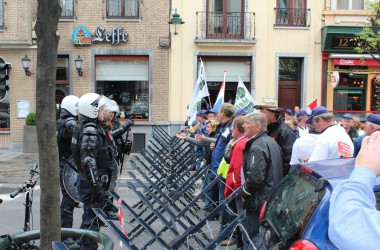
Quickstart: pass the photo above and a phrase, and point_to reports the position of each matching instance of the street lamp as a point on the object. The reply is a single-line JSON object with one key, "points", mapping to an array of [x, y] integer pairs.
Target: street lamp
{"points": [[176, 22], [25, 65], [78, 65]]}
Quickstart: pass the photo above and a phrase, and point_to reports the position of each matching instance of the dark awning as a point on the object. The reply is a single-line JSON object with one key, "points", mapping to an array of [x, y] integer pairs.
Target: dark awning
{"points": [[338, 38]]}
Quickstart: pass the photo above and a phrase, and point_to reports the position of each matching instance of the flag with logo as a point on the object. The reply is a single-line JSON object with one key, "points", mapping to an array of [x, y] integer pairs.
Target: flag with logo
{"points": [[312, 106], [220, 99], [243, 100], [200, 91]]}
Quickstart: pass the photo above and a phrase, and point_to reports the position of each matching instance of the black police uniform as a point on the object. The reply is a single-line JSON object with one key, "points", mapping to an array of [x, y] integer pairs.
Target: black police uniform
{"points": [[94, 155], [65, 128]]}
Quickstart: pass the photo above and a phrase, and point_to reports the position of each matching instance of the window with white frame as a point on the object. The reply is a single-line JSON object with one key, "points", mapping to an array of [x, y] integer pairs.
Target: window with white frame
{"points": [[67, 8], [122, 8], [349, 4]]}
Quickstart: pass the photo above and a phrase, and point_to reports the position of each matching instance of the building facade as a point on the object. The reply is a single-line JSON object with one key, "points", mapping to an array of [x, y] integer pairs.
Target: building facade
{"points": [[273, 46], [120, 44], [349, 79]]}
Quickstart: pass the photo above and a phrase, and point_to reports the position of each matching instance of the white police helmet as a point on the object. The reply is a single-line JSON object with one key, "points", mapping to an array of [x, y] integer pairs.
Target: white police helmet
{"points": [[70, 104], [90, 103], [111, 106]]}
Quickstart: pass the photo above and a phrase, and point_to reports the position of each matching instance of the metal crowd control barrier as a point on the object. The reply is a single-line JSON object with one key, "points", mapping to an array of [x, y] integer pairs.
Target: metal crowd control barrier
{"points": [[167, 210]]}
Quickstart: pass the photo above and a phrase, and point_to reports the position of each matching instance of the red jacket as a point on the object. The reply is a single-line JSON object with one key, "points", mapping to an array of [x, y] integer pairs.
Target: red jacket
{"points": [[233, 179]]}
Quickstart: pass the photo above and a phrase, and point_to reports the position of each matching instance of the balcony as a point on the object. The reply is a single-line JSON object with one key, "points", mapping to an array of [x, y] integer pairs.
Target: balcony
{"points": [[230, 26], [287, 17]]}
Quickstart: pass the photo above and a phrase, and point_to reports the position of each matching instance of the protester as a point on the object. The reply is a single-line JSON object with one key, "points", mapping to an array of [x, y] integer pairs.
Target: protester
{"points": [[296, 110], [292, 123], [65, 127], [225, 115], [334, 141], [262, 172], [302, 127], [288, 113], [94, 157], [347, 123], [278, 130], [372, 124], [358, 126], [303, 147], [354, 221], [233, 179]]}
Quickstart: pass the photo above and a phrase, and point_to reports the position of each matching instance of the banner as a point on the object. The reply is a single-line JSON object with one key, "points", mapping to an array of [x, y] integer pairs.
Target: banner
{"points": [[220, 99], [243, 99], [200, 91]]}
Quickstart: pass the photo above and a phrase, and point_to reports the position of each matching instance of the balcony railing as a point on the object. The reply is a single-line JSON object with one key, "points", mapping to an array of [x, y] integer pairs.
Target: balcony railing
{"points": [[225, 25], [292, 17]]}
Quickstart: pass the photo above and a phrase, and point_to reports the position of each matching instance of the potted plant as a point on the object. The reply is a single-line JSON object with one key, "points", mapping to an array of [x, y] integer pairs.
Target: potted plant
{"points": [[30, 134]]}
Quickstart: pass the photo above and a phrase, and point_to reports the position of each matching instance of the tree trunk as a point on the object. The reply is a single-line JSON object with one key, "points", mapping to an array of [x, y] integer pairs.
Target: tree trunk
{"points": [[48, 13]]}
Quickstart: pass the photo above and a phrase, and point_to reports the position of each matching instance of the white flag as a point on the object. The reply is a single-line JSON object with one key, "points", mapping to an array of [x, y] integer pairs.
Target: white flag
{"points": [[200, 91], [243, 99]]}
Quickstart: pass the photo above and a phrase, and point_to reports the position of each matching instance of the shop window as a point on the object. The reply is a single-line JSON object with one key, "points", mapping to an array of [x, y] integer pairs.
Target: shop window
{"points": [[4, 106], [125, 80], [62, 87], [350, 93], [291, 13], [1, 14], [122, 8], [348, 4], [235, 66], [67, 8]]}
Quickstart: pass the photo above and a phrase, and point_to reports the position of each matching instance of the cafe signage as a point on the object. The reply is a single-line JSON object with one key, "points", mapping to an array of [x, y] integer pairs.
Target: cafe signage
{"points": [[115, 36]]}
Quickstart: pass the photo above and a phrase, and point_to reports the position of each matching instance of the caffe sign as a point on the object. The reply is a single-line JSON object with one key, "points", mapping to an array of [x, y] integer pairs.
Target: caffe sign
{"points": [[115, 36]]}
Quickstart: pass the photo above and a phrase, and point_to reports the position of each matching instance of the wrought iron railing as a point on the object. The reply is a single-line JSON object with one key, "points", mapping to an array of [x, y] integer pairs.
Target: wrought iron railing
{"points": [[229, 25], [292, 17]]}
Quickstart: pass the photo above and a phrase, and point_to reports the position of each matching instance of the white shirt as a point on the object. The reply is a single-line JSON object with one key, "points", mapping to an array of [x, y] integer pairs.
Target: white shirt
{"points": [[326, 146], [302, 131], [302, 148]]}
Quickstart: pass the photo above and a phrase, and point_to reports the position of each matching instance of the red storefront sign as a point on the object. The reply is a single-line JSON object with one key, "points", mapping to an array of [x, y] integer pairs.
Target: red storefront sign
{"points": [[355, 62]]}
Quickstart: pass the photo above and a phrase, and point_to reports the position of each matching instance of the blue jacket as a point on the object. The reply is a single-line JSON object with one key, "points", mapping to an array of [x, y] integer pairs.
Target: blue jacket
{"points": [[222, 140]]}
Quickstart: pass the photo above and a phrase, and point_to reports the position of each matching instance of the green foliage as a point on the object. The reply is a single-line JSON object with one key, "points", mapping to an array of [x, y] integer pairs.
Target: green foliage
{"points": [[31, 119], [368, 40]]}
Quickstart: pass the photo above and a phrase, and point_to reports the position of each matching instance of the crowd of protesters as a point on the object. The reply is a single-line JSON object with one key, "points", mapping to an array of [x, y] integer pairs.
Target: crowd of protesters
{"points": [[256, 150]]}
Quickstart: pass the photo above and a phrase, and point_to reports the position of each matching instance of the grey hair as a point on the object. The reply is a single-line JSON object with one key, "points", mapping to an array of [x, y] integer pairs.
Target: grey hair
{"points": [[375, 126], [257, 119], [328, 117]]}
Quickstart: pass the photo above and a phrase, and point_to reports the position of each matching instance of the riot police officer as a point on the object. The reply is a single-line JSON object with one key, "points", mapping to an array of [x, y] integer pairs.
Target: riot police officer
{"points": [[95, 157], [65, 128], [117, 130]]}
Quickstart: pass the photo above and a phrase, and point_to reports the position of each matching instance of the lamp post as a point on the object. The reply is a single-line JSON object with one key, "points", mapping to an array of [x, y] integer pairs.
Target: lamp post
{"points": [[176, 22], [25, 65], [78, 65]]}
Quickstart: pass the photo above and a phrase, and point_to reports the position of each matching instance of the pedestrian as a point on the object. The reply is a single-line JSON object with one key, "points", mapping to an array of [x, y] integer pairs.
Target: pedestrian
{"points": [[372, 124], [94, 156], [333, 142], [347, 123], [65, 127], [233, 179], [278, 130], [262, 172], [354, 220], [302, 127]]}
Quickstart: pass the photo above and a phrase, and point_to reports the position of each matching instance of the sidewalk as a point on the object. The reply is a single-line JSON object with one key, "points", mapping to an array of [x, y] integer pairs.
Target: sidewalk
{"points": [[16, 164]]}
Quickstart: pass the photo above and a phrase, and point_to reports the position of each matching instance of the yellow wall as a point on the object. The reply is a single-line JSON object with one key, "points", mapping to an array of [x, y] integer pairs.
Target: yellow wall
{"points": [[270, 42]]}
